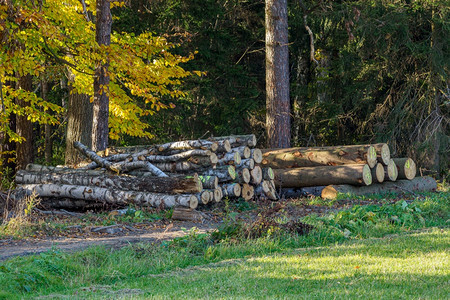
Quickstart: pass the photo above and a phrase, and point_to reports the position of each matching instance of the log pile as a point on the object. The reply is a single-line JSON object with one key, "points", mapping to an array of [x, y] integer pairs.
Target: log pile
{"points": [[355, 169], [183, 173]]}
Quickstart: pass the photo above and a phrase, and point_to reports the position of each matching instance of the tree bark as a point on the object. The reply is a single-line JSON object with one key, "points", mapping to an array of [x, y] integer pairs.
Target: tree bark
{"points": [[319, 156], [278, 122], [401, 186], [169, 185], [24, 127], [269, 175], [246, 163], [100, 129], [406, 168], [223, 174], [231, 158], [186, 214], [110, 195], [48, 143], [357, 174], [243, 176], [243, 151]]}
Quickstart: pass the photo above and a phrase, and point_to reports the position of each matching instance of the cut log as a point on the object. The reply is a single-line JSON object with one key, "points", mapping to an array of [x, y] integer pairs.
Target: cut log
{"points": [[301, 192], [390, 171], [224, 174], [204, 197], [268, 173], [65, 170], [206, 161], [256, 175], [232, 158], [238, 140], [243, 176], [265, 189], [167, 185], [184, 166], [320, 156], [223, 146], [357, 174], [231, 190], [246, 163], [406, 168], [415, 185], [189, 145], [66, 203], [179, 156], [117, 167], [257, 155], [217, 194], [210, 182], [247, 192], [186, 214], [110, 195], [378, 173], [243, 151], [383, 153]]}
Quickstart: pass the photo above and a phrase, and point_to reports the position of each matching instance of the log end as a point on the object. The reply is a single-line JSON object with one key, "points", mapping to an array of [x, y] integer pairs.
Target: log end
{"points": [[193, 202], [409, 169], [268, 174], [392, 171], [214, 147], [237, 158], [218, 195], [227, 146], [247, 192], [371, 156], [385, 155], [257, 155], [256, 175], [379, 172], [232, 172], [367, 175], [329, 192], [245, 175]]}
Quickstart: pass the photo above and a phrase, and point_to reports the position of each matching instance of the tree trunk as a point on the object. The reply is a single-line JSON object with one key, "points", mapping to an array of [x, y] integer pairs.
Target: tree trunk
{"points": [[319, 156], [48, 143], [406, 168], [246, 163], [79, 124], [167, 185], [100, 129], [357, 174], [110, 195], [243, 176], [278, 123], [24, 127], [401, 186]]}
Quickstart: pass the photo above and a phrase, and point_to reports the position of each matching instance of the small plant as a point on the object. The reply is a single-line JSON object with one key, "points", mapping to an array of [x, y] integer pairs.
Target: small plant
{"points": [[17, 214]]}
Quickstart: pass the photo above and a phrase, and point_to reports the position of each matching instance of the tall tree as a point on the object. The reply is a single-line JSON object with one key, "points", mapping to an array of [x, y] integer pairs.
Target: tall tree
{"points": [[24, 127], [278, 123], [101, 79]]}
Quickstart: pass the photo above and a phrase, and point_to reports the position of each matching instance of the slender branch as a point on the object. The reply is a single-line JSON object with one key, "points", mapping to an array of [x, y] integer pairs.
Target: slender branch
{"points": [[86, 15], [310, 33], [2, 108]]}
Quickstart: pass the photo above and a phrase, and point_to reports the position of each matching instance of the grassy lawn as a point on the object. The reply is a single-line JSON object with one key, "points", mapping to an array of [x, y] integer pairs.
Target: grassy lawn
{"points": [[390, 251]]}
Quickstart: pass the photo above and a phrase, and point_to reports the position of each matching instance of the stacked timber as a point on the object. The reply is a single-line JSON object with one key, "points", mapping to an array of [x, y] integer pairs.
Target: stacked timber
{"points": [[182, 173], [328, 171]]}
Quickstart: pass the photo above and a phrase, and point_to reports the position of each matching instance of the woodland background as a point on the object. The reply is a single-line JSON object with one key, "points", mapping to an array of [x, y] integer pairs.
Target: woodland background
{"points": [[376, 72]]}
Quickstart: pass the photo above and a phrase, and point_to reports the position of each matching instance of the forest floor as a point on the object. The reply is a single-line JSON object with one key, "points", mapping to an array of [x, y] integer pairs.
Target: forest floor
{"points": [[77, 231]]}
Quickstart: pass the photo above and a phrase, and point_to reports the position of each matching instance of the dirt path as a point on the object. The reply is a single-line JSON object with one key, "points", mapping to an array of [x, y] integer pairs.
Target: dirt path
{"points": [[10, 248]]}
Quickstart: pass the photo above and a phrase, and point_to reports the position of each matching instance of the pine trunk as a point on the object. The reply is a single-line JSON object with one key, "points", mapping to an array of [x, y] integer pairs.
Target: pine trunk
{"points": [[401, 186], [357, 174], [320, 156]]}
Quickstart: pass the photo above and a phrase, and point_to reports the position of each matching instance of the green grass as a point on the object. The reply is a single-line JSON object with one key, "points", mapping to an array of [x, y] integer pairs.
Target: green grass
{"points": [[349, 254]]}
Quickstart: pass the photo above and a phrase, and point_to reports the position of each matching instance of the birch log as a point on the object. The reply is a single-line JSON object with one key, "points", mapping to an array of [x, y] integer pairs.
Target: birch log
{"points": [[257, 155], [232, 158], [247, 191], [256, 175], [238, 140], [189, 145], [170, 185], [209, 182], [110, 195], [357, 174], [243, 151], [231, 190], [224, 174], [246, 163]]}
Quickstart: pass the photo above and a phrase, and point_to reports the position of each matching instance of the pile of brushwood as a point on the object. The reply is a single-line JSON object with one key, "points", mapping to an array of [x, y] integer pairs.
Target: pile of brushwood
{"points": [[176, 174], [350, 169]]}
